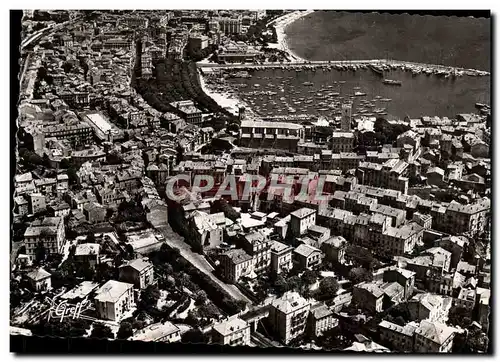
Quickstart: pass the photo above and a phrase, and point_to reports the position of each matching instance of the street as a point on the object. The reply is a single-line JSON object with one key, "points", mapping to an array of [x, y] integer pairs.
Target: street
{"points": [[176, 241]]}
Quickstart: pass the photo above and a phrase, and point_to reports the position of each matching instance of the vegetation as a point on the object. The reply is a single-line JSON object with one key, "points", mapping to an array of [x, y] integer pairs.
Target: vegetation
{"points": [[177, 80], [229, 212], [459, 316], [198, 55], [383, 133], [359, 275], [194, 336], [193, 279], [328, 288], [125, 331], [66, 329], [101, 331]]}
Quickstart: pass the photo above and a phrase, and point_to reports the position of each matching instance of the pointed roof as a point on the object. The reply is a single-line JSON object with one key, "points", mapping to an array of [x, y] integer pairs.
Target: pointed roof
{"points": [[39, 274]]}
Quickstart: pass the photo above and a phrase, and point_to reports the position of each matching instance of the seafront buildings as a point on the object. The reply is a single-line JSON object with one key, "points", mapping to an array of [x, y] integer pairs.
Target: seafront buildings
{"points": [[138, 196]]}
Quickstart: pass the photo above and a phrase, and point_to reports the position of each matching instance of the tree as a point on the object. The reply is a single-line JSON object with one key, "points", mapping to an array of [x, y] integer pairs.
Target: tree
{"points": [[201, 298], [329, 286], [358, 275], [459, 316], [70, 234], [280, 285], [294, 283], [310, 277], [150, 296], [90, 237], [101, 331], [194, 336], [235, 306], [125, 331], [138, 324], [208, 311], [477, 341]]}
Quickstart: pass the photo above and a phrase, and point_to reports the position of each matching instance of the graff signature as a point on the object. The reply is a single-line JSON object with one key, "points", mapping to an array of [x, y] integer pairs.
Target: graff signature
{"points": [[65, 310]]}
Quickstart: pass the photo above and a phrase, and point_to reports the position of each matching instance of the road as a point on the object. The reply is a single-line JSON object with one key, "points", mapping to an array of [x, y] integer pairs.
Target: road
{"points": [[174, 240]]}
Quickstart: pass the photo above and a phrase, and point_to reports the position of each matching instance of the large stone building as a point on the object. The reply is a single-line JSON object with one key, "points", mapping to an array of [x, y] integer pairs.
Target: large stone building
{"points": [[139, 272], [233, 332], [288, 316], [264, 134], [47, 233], [113, 300]]}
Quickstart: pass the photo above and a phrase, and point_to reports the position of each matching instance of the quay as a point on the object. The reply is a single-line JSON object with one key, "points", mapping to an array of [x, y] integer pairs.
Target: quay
{"points": [[353, 65]]}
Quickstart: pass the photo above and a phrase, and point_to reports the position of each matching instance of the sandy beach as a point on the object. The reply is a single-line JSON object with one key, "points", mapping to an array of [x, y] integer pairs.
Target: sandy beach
{"points": [[280, 25], [229, 101], [224, 99]]}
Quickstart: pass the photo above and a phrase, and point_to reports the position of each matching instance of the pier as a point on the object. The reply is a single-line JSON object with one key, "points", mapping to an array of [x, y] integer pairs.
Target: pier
{"points": [[353, 65]]}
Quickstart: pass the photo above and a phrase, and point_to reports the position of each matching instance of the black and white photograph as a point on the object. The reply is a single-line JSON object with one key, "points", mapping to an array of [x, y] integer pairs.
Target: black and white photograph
{"points": [[313, 181]]}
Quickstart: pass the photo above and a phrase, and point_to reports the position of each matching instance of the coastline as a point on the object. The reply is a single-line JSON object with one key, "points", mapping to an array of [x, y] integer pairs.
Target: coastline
{"points": [[223, 99], [232, 103], [280, 24]]}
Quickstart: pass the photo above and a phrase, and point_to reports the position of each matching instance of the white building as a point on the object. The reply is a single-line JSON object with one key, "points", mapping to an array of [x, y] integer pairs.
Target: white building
{"points": [[233, 331], [114, 299]]}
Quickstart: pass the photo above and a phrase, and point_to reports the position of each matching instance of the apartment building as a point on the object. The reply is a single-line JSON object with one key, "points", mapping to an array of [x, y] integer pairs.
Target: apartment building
{"points": [[288, 315], [77, 133], [139, 272], [399, 338], [166, 332], [391, 174], [113, 300], [258, 245], [433, 337], [301, 220], [321, 319], [263, 134], [428, 306], [48, 233], [281, 257], [307, 257], [235, 264], [342, 142], [233, 332], [403, 277], [230, 26], [189, 112]]}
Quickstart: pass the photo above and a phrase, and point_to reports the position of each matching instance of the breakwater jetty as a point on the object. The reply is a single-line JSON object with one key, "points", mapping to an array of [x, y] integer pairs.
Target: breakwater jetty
{"points": [[379, 66]]}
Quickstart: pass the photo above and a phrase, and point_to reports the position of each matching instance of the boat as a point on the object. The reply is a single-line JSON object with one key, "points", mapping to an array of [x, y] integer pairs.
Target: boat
{"points": [[376, 69], [308, 83], [480, 105], [359, 94], [392, 82], [357, 88], [386, 99]]}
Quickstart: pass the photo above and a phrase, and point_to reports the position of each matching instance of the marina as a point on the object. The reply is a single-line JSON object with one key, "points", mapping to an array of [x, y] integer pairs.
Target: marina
{"points": [[271, 92]]}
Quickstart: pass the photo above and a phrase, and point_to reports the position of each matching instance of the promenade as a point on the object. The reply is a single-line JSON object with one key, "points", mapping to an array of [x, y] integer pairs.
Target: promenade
{"points": [[348, 65]]}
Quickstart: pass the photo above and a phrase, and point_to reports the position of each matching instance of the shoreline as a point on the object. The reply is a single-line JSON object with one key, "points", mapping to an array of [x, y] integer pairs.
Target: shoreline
{"points": [[223, 99], [280, 24]]}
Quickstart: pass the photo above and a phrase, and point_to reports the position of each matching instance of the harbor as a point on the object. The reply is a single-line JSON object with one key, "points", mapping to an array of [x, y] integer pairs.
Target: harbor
{"points": [[295, 93]]}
